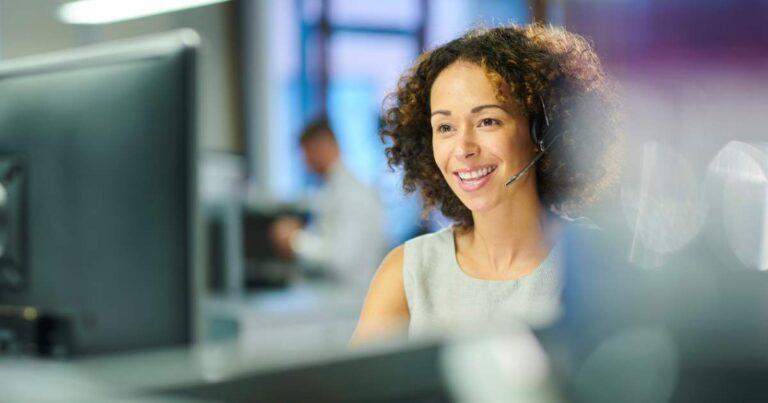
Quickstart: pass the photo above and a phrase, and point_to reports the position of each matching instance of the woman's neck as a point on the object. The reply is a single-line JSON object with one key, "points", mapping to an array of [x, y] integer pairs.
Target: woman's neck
{"points": [[513, 238]]}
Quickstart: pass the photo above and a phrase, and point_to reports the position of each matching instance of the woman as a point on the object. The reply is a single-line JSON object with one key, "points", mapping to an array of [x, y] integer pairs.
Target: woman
{"points": [[492, 129]]}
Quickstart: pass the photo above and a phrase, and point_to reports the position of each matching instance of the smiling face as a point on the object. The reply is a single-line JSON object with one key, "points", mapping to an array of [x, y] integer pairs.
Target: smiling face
{"points": [[478, 142]]}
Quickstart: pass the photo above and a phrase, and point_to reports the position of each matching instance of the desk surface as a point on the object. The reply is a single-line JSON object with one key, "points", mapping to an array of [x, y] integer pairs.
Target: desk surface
{"points": [[128, 375], [310, 320], [397, 369]]}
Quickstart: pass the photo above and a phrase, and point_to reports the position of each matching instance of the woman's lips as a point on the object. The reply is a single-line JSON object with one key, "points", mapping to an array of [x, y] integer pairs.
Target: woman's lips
{"points": [[473, 184]]}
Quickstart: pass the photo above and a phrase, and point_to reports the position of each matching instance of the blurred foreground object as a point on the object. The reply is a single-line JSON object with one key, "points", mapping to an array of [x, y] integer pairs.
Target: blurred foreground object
{"points": [[98, 152], [737, 181], [691, 330]]}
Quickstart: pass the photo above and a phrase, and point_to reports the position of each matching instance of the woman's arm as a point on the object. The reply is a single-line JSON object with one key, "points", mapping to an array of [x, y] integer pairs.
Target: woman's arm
{"points": [[385, 311]]}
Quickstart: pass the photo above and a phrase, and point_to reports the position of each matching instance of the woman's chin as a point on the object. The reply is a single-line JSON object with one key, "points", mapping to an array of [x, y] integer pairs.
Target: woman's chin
{"points": [[477, 202], [478, 206]]}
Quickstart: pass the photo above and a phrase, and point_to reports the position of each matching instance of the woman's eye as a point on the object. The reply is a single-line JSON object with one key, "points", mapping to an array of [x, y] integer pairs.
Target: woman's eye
{"points": [[489, 122], [443, 128]]}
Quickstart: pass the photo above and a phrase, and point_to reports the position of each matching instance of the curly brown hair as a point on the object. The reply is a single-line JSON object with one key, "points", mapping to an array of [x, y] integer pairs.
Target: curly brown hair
{"points": [[532, 61]]}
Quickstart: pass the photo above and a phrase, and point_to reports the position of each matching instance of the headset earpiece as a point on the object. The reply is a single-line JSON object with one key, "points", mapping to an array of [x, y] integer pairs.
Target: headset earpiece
{"points": [[540, 127], [539, 137], [538, 132]]}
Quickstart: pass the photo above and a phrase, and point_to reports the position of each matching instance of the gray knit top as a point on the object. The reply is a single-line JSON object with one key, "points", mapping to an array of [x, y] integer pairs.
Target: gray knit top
{"points": [[440, 294]]}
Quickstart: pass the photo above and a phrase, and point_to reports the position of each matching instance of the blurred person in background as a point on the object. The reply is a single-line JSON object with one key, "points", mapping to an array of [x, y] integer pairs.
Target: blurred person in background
{"points": [[346, 236], [509, 132]]}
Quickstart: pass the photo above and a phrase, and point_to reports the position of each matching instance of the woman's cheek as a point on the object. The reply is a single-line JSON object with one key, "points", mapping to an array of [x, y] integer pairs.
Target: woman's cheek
{"points": [[440, 158]]}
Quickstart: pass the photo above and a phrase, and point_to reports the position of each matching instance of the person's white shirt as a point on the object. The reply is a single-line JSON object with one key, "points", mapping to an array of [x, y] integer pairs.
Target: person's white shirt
{"points": [[347, 235]]}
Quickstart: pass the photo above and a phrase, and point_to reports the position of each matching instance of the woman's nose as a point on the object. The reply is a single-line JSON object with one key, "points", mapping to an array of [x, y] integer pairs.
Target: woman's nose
{"points": [[466, 146]]}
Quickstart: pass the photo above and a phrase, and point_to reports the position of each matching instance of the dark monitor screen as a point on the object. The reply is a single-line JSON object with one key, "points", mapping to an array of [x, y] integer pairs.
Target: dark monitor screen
{"points": [[97, 203]]}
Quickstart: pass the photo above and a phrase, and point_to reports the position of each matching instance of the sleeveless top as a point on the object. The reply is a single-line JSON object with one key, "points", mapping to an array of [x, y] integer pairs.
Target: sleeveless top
{"points": [[441, 295]]}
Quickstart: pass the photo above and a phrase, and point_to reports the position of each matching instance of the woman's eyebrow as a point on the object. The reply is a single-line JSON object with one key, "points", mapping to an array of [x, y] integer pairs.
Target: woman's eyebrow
{"points": [[473, 110], [481, 107]]}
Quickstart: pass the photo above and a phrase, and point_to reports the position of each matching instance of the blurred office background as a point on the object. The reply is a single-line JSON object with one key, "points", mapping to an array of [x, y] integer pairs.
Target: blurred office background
{"points": [[692, 79]]}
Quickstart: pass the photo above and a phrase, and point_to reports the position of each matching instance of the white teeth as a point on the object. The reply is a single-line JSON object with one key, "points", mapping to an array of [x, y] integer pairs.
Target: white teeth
{"points": [[475, 174]]}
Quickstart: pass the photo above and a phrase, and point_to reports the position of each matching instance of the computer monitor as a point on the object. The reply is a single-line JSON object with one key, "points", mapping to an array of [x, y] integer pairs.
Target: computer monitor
{"points": [[98, 216]]}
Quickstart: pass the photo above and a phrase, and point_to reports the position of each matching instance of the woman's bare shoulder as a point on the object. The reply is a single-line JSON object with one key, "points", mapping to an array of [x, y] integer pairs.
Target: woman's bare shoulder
{"points": [[387, 289], [392, 264], [385, 311]]}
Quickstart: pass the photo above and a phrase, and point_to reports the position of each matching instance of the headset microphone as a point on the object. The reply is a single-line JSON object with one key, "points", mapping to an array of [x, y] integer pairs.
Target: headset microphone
{"points": [[539, 129], [524, 170]]}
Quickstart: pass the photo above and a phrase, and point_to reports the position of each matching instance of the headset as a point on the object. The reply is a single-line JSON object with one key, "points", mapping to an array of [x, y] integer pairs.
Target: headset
{"points": [[539, 130]]}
